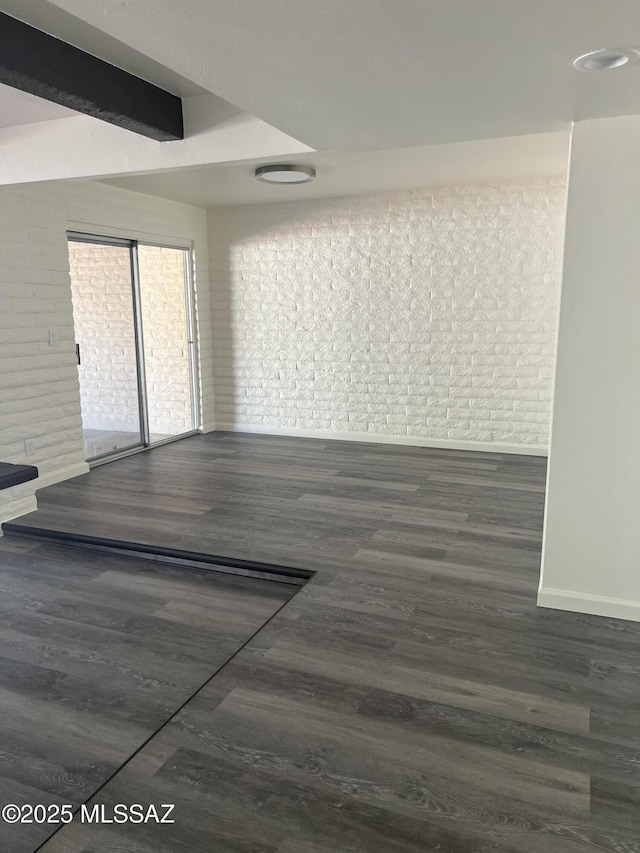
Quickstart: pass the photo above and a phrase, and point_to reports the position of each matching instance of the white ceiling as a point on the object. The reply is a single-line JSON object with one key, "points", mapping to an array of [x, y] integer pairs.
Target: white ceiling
{"points": [[352, 173], [18, 108], [378, 74]]}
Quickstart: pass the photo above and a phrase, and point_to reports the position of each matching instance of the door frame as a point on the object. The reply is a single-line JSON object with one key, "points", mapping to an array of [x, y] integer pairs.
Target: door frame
{"points": [[127, 240]]}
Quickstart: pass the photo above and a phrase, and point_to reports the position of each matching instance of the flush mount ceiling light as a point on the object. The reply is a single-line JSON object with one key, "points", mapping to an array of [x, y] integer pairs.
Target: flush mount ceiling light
{"points": [[605, 59], [284, 173]]}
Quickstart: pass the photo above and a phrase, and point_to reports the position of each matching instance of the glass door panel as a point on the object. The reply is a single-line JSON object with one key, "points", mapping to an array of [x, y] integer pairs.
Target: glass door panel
{"points": [[166, 323], [104, 322]]}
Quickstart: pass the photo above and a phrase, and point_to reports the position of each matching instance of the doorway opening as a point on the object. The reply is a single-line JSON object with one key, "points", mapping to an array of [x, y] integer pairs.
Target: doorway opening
{"points": [[133, 321]]}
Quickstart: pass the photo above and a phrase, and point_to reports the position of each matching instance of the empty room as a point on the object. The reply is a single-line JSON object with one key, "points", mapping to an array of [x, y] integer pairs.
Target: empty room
{"points": [[318, 415]]}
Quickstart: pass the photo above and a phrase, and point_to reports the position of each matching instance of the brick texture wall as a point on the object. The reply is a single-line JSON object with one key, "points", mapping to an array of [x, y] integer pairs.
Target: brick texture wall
{"points": [[39, 396], [426, 316], [39, 401]]}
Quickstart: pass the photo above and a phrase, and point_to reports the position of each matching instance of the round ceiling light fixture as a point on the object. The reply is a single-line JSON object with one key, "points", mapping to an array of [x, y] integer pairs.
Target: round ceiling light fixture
{"points": [[284, 173], [605, 59]]}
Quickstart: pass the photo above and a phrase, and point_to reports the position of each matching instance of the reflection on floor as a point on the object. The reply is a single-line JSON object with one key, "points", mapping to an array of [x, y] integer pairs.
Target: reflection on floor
{"points": [[97, 442]]}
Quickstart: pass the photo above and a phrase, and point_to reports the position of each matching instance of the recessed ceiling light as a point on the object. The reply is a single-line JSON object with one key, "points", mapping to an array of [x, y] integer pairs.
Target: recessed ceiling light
{"points": [[281, 173], [605, 59]]}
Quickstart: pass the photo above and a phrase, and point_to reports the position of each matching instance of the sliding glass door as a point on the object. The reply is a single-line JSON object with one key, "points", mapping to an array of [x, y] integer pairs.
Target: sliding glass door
{"points": [[166, 323], [105, 330], [133, 321]]}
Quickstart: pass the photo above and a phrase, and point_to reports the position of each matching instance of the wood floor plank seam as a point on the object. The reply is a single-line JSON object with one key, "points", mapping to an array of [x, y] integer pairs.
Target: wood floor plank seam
{"points": [[167, 722]]}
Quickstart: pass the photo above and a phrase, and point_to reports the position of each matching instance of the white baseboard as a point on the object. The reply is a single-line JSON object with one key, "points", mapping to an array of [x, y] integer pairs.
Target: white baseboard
{"points": [[207, 427], [597, 605], [376, 438], [60, 474], [18, 507]]}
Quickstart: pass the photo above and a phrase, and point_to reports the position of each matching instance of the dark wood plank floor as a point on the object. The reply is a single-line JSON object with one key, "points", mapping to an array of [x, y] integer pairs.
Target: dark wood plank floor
{"points": [[411, 697], [96, 653]]}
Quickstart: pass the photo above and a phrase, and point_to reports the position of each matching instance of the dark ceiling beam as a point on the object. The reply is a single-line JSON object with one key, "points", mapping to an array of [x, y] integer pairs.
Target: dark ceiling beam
{"points": [[38, 63]]}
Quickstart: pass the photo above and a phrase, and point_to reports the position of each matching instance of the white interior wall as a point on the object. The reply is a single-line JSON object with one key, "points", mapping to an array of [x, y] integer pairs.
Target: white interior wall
{"points": [[591, 560], [424, 316], [39, 397]]}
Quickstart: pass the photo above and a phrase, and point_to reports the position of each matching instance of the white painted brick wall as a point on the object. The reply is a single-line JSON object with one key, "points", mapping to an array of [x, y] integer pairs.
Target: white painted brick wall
{"points": [[38, 383], [39, 394], [427, 314]]}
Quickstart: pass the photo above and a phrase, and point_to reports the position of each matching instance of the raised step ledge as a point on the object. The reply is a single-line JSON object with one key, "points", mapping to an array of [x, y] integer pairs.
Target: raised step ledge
{"points": [[177, 556], [14, 475]]}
